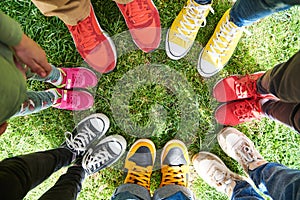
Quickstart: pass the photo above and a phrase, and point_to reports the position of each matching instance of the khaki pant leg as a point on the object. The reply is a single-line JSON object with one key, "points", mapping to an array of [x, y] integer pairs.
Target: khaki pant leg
{"points": [[69, 11]]}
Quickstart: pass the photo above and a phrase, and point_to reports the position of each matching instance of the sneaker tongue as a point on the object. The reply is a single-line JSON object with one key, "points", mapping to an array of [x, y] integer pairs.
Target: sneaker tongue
{"points": [[140, 157], [174, 158]]}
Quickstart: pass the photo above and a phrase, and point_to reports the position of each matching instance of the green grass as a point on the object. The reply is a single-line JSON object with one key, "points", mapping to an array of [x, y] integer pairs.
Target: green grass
{"points": [[150, 95]]}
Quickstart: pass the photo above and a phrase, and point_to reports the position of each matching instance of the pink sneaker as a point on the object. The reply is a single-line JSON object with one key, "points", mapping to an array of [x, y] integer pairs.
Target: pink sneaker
{"points": [[79, 77], [237, 112], [95, 47], [74, 100], [143, 21], [237, 87]]}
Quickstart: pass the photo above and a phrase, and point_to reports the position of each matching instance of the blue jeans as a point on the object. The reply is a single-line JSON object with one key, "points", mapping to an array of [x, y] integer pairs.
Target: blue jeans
{"points": [[245, 12], [274, 180], [136, 192]]}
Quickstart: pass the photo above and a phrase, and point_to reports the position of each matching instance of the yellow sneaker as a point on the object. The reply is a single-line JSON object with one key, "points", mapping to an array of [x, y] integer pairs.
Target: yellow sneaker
{"points": [[139, 163], [175, 164], [217, 52], [181, 35]]}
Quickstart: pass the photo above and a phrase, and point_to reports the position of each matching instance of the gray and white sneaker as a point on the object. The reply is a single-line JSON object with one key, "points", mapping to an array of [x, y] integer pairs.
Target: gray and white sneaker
{"points": [[215, 173], [239, 147], [86, 132], [103, 154]]}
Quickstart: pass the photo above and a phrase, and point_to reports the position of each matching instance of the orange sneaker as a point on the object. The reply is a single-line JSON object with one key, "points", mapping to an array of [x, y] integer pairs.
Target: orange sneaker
{"points": [[94, 46], [143, 21]]}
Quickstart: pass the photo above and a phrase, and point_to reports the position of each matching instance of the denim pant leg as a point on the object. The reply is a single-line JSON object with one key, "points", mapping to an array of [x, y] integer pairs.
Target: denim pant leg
{"points": [[245, 12], [130, 191], [244, 191], [20, 174], [53, 77], [68, 185], [36, 102], [170, 192], [277, 181]]}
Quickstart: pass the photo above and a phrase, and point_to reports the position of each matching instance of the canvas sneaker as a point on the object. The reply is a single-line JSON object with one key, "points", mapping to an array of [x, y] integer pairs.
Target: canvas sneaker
{"points": [[105, 153], [237, 112], [94, 46], [79, 77], [73, 99], [183, 32], [217, 52], [215, 173], [139, 163], [239, 147], [237, 87], [143, 21], [175, 164], [86, 132]]}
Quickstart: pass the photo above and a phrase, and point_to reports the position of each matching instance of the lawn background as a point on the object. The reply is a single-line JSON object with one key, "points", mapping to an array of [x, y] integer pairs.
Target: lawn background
{"points": [[273, 40]]}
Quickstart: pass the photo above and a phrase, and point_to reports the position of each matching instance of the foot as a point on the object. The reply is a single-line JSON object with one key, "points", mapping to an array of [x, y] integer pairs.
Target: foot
{"points": [[239, 147], [86, 132], [237, 112], [237, 87], [143, 21], [105, 153], [73, 99], [94, 46], [79, 77], [175, 164], [184, 29], [215, 173], [139, 163], [219, 49]]}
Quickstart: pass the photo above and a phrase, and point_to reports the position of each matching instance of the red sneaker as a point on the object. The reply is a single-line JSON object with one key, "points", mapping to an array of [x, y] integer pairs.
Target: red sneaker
{"points": [[79, 77], [236, 87], [143, 21], [73, 100], [237, 112], [95, 47]]}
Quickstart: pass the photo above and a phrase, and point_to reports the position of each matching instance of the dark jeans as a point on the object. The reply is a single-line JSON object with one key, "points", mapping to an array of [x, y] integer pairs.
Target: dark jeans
{"points": [[274, 180], [283, 81], [20, 174]]}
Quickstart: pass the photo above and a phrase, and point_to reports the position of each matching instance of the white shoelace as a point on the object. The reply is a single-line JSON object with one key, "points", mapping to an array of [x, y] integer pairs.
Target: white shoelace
{"points": [[80, 142], [223, 179], [195, 13], [92, 161]]}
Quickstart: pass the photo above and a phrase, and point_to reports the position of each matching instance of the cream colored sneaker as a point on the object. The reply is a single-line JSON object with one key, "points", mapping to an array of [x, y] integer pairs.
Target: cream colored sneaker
{"points": [[219, 49], [215, 173], [239, 147], [182, 34]]}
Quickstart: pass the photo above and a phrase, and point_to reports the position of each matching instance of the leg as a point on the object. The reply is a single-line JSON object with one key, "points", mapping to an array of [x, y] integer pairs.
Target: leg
{"points": [[20, 174], [244, 191], [69, 11], [271, 176], [282, 81], [55, 76], [37, 101], [68, 185], [287, 113], [245, 12], [170, 192]]}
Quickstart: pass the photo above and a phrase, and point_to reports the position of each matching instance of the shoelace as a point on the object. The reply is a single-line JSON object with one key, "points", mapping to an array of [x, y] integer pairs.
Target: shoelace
{"points": [[85, 34], [222, 179], [245, 110], [93, 162], [140, 175], [173, 175], [195, 14], [81, 140], [219, 47], [138, 12], [245, 87], [246, 155]]}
